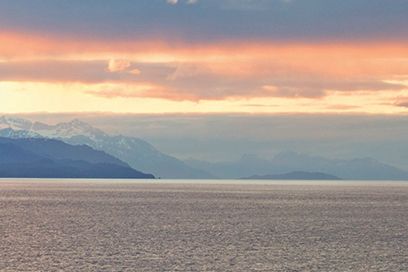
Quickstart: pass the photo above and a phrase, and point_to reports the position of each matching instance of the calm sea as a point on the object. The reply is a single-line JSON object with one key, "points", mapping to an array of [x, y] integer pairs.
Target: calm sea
{"points": [[116, 225]]}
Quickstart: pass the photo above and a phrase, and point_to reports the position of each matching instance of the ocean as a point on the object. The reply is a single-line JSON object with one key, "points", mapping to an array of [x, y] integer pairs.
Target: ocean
{"points": [[118, 225]]}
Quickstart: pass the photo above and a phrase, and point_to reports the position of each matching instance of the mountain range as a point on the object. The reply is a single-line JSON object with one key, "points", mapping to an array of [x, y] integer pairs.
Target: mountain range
{"points": [[138, 153], [48, 158], [144, 157]]}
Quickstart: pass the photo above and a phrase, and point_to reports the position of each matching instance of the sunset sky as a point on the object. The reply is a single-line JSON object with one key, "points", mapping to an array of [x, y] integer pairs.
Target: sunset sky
{"points": [[204, 56]]}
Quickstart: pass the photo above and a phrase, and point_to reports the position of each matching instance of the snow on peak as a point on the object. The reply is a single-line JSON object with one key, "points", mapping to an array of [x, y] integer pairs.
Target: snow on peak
{"points": [[69, 129], [18, 134], [15, 123], [76, 128]]}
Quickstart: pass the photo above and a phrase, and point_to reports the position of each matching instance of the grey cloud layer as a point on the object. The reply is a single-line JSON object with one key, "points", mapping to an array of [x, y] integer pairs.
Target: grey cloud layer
{"points": [[208, 20]]}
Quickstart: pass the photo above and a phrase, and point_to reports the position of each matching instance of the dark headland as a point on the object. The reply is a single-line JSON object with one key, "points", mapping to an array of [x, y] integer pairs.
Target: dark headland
{"points": [[46, 158]]}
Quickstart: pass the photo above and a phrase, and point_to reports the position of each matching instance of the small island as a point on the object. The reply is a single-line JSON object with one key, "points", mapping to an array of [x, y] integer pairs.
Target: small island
{"points": [[297, 175]]}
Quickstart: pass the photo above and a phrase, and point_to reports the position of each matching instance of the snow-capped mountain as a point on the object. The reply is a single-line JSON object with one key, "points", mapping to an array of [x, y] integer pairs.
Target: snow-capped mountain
{"points": [[61, 130], [136, 152], [16, 134], [15, 123]]}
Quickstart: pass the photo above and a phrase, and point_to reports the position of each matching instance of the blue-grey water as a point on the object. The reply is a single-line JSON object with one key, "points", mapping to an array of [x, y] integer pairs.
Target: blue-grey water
{"points": [[66, 225]]}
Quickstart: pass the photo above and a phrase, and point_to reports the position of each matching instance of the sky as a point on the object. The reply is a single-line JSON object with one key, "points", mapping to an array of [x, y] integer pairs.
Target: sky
{"points": [[204, 56], [215, 79]]}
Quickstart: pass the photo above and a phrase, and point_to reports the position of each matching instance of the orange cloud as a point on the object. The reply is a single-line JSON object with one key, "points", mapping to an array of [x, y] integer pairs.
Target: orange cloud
{"points": [[149, 90], [21, 46], [213, 72], [402, 102]]}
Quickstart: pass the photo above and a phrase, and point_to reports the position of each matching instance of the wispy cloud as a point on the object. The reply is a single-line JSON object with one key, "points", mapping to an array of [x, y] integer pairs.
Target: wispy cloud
{"points": [[175, 2], [115, 65], [402, 102]]}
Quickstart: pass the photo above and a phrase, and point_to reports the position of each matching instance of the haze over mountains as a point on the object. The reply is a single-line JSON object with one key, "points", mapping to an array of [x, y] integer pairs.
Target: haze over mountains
{"points": [[144, 157], [250, 165]]}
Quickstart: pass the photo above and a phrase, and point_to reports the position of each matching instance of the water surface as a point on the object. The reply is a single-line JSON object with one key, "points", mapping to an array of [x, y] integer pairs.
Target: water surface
{"points": [[87, 225]]}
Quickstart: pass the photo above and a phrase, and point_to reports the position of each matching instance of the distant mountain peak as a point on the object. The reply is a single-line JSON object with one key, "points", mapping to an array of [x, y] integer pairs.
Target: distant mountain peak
{"points": [[68, 130], [15, 123], [289, 155], [74, 127], [77, 124]]}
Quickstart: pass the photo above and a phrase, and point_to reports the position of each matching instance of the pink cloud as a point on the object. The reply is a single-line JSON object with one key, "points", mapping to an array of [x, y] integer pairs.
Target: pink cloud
{"points": [[115, 65]]}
